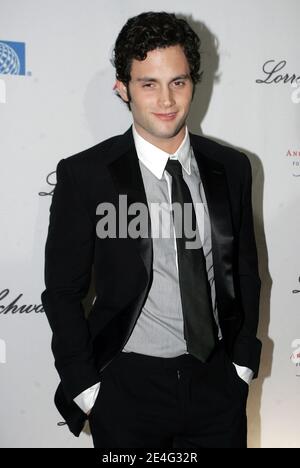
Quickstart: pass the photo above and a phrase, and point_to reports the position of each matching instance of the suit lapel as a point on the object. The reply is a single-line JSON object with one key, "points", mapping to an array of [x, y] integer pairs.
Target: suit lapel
{"points": [[213, 177], [128, 180]]}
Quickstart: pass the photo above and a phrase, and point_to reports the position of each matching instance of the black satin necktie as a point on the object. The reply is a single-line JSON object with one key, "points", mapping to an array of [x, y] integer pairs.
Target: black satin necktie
{"points": [[199, 323]]}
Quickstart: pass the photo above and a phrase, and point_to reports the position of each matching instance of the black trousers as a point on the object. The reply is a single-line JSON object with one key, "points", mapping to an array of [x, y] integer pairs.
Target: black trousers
{"points": [[154, 402]]}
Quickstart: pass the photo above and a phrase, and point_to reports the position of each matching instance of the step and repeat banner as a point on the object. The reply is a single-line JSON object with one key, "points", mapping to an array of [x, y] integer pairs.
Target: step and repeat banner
{"points": [[57, 98]]}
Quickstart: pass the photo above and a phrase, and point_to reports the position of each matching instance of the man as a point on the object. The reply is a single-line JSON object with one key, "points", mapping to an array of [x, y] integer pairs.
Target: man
{"points": [[169, 347]]}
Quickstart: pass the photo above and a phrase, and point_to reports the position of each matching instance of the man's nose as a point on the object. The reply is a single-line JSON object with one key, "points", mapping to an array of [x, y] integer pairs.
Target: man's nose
{"points": [[166, 97]]}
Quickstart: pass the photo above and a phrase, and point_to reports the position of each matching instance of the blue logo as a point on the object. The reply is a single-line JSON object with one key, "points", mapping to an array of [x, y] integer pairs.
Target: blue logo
{"points": [[12, 58]]}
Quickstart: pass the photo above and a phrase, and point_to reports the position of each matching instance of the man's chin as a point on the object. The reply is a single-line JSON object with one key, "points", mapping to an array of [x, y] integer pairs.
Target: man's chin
{"points": [[167, 132]]}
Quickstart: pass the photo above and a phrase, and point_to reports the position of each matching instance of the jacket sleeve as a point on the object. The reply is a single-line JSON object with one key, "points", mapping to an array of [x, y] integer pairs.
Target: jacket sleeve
{"points": [[68, 263], [247, 347]]}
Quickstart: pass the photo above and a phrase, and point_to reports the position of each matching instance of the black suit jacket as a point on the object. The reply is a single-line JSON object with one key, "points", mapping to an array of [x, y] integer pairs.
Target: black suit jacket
{"points": [[123, 266]]}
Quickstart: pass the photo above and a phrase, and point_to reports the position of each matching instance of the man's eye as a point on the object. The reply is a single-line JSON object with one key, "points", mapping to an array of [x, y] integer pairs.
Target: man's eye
{"points": [[178, 84]]}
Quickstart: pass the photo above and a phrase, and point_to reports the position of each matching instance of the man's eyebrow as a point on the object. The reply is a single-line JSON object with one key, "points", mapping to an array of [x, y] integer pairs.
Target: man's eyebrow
{"points": [[154, 80]]}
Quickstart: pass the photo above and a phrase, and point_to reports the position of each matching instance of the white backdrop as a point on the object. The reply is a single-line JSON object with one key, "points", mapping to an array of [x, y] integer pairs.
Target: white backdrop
{"points": [[65, 103]]}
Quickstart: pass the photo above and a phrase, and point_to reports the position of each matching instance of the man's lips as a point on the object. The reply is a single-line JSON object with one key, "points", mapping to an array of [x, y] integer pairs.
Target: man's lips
{"points": [[169, 116]]}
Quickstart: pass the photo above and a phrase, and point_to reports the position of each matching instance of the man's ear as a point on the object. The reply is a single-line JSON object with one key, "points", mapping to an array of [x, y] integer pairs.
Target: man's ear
{"points": [[122, 90]]}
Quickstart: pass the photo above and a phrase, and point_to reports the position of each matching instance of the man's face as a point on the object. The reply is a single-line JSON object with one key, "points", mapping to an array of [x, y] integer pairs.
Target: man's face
{"points": [[160, 85]]}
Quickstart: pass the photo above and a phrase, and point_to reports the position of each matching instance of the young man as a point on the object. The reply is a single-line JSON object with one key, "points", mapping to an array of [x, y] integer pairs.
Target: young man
{"points": [[169, 347]]}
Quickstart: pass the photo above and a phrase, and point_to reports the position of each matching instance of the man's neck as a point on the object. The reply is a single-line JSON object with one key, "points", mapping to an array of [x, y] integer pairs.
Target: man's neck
{"points": [[169, 145]]}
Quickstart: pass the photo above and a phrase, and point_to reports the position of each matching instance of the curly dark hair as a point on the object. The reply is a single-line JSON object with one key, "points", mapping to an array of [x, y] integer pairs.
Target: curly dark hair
{"points": [[151, 30]]}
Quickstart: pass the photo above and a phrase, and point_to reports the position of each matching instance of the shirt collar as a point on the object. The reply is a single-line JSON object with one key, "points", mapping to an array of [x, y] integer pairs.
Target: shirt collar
{"points": [[156, 159]]}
